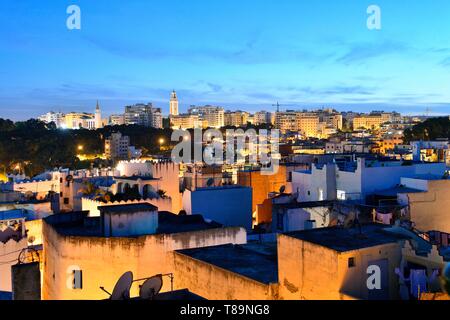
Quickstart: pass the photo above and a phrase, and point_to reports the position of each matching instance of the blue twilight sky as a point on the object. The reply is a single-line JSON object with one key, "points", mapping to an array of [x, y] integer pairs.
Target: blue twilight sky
{"points": [[240, 54]]}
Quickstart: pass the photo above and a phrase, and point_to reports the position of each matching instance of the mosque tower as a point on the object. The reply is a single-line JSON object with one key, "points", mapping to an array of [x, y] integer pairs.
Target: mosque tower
{"points": [[173, 104], [98, 117]]}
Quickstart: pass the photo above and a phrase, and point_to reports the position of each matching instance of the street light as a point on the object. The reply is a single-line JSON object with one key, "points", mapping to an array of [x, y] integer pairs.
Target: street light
{"points": [[80, 147], [161, 142]]}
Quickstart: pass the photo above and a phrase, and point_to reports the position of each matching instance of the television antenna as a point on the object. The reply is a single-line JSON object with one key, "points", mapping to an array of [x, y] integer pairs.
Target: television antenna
{"points": [[122, 288], [151, 287]]}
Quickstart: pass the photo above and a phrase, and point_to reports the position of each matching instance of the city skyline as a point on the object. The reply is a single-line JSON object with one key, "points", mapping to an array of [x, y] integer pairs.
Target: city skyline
{"points": [[235, 55]]}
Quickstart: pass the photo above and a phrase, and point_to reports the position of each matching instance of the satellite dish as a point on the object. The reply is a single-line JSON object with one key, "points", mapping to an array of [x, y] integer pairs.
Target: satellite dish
{"points": [[210, 182], [122, 288], [282, 189], [69, 178], [151, 287]]}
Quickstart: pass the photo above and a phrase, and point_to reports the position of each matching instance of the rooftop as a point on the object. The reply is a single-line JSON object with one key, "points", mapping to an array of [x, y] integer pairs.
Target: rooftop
{"points": [[135, 178], [227, 187], [429, 177], [12, 214], [348, 239], [128, 208], [310, 204], [78, 224], [254, 261], [393, 192]]}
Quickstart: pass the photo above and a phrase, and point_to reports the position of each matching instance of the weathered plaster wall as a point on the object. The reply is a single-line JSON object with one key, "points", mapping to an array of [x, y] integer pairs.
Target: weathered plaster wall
{"points": [[104, 260], [215, 283], [431, 210]]}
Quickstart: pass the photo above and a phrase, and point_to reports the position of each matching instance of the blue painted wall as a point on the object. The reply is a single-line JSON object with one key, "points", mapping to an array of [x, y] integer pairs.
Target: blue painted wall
{"points": [[230, 206]]}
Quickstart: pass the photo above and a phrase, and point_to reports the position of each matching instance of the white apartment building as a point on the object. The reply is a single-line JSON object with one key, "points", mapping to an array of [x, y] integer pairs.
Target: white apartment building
{"points": [[263, 117], [56, 117], [236, 118], [356, 180], [117, 119], [144, 115], [214, 116], [117, 147]]}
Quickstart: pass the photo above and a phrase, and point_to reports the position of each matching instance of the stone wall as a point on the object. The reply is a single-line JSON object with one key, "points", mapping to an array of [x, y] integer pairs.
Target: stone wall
{"points": [[103, 260]]}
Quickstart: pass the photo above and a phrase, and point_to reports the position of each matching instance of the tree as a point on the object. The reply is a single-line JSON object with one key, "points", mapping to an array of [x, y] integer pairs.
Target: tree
{"points": [[430, 129]]}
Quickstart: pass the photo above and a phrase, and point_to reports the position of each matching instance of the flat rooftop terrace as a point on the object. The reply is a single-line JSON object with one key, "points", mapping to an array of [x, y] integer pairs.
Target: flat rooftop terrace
{"points": [[78, 224], [347, 239], [254, 261]]}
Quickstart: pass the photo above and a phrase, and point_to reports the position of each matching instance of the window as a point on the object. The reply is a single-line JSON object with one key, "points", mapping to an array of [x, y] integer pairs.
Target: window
{"points": [[60, 194], [77, 279], [351, 262], [66, 200]]}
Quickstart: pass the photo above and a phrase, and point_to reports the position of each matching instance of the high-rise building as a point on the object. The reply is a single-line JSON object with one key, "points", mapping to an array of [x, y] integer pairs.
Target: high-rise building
{"points": [[185, 121], [117, 119], [286, 121], [58, 118], [235, 118], [98, 117], [263, 117], [173, 104], [117, 147], [308, 124], [157, 118], [372, 121], [214, 116], [144, 115]]}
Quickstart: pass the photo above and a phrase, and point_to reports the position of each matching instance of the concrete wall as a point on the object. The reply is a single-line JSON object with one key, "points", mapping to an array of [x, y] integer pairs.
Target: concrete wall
{"points": [[230, 206], [168, 173], [9, 253], [418, 184], [380, 178], [26, 281], [39, 209], [92, 205], [307, 271], [325, 184], [262, 185], [40, 187], [431, 210], [103, 260], [34, 231], [130, 223], [134, 168], [318, 185], [215, 283]]}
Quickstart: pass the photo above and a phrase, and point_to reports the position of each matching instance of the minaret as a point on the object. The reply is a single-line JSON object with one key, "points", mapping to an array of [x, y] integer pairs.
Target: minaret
{"points": [[98, 117], [173, 104]]}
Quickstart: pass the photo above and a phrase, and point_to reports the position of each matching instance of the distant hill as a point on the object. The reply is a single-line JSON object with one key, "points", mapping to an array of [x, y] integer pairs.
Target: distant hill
{"points": [[430, 129]]}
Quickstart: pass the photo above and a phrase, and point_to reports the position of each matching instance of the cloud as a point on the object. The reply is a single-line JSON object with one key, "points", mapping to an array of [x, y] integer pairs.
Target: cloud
{"points": [[362, 52], [445, 62], [214, 87], [253, 51]]}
